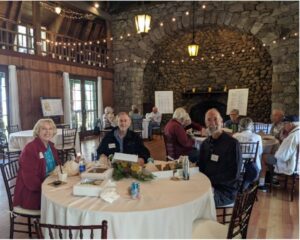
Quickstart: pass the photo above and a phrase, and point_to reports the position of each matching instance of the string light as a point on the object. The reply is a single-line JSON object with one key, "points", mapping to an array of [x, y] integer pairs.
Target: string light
{"points": [[187, 13], [67, 13], [173, 19], [96, 5], [161, 24]]}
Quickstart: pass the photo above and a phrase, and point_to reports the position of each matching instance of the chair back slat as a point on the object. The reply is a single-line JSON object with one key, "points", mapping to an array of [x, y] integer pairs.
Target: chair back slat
{"points": [[69, 230], [12, 128], [249, 152], [9, 173], [69, 136], [241, 213], [70, 234], [137, 124], [261, 127]]}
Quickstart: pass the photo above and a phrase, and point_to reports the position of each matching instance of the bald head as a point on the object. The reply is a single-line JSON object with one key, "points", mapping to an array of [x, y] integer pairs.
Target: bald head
{"points": [[213, 120], [277, 116]]}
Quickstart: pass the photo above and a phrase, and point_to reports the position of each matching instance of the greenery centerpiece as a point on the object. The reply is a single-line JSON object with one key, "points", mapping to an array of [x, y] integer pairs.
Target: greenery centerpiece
{"points": [[124, 169]]}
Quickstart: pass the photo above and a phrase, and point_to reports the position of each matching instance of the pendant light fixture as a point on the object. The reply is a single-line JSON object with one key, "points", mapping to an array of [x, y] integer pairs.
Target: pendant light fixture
{"points": [[142, 22], [193, 47]]}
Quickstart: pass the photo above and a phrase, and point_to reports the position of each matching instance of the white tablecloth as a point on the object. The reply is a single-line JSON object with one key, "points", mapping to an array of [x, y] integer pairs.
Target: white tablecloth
{"points": [[270, 145], [18, 140], [145, 128], [166, 208]]}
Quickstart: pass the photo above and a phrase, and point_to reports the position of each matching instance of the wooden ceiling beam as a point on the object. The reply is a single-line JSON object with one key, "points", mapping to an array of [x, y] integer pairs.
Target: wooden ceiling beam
{"points": [[83, 6], [19, 11]]}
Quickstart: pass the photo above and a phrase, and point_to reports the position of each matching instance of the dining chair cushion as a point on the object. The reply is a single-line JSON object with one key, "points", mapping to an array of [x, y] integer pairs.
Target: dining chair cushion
{"points": [[25, 211], [208, 229]]}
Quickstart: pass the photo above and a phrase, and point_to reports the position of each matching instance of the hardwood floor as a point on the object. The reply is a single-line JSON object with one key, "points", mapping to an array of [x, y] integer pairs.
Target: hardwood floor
{"points": [[273, 216]]}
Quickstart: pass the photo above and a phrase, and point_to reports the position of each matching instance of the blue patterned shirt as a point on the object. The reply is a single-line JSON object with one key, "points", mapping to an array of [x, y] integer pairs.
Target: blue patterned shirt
{"points": [[50, 162]]}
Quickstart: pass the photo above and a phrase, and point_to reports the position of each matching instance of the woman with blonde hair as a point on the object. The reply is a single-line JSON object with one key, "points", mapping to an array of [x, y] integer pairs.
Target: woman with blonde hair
{"points": [[37, 160], [178, 142]]}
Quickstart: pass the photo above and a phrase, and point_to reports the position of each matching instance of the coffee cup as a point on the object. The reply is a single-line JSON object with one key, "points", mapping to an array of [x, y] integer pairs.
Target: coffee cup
{"points": [[62, 176]]}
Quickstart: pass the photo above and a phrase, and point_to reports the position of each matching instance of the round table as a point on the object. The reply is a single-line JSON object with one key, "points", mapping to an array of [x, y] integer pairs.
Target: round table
{"points": [[270, 145], [18, 140], [166, 208]]}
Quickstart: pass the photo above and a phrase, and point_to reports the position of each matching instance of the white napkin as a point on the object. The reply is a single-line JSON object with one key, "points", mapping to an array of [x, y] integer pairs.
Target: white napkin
{"points": [[109, 194]]}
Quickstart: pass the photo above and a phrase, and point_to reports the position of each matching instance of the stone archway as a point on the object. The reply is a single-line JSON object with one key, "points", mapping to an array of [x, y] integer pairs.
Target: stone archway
{"points": [[227, 59], [268, 22]]}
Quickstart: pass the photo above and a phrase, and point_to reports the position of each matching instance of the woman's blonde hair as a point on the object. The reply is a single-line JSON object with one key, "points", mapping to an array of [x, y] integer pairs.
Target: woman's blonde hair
{"points": [[180, 114], [37, 126]]}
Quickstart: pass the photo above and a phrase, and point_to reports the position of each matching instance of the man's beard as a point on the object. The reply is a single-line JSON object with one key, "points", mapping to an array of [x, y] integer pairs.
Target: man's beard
{"points": [[212, 130]]}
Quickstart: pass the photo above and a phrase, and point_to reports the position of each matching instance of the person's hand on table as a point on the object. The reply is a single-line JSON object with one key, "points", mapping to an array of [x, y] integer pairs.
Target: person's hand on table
{"points": [[141, 162]]}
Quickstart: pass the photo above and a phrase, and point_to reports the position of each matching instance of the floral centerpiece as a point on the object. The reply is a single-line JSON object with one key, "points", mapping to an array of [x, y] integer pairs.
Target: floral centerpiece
{"points": [[127, 169]]}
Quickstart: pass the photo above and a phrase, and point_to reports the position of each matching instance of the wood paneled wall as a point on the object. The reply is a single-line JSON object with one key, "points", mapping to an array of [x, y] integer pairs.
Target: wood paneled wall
{"points": [[42, 77]]}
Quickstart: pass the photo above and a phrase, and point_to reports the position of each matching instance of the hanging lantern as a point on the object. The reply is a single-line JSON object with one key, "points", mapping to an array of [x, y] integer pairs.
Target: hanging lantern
{"points": [[142, 23], [193, 47]]}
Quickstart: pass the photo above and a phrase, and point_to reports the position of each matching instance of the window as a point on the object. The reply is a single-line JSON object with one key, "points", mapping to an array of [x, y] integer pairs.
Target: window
{"points": [[24, 42], [44, 40]]}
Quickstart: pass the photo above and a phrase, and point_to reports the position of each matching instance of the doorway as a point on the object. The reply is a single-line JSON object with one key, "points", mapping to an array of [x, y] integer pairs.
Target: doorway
{"points": [[84, 107]]}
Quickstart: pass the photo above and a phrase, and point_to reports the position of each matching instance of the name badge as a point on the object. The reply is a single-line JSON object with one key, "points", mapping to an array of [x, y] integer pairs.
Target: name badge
{"points": [[214, 157], [41, 155], [111, 145]]}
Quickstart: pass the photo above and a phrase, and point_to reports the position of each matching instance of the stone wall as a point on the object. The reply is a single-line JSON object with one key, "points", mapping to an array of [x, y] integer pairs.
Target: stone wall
{"points": [[221, 28], [227, 59]]}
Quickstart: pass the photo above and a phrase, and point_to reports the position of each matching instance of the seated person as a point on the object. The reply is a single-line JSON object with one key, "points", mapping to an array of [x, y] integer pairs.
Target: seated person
{"points": [[133, 108], [108, 118], [220, 160], [233, 123], [37, 160], [137, 120], [182, 144], [285, 157], [246, 134], [277, 124], [155, 119], [123, 140]]}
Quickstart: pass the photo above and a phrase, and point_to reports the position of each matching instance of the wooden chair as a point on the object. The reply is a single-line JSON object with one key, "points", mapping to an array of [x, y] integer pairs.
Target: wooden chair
{"points": [[249, 153], [66, 231], [261, 127], [170, 149], [137, 126], [9, 173], [5, 151], [103, 131], [294, 176], [68, 143], [157, 130], [238, 225], [12, 128]]}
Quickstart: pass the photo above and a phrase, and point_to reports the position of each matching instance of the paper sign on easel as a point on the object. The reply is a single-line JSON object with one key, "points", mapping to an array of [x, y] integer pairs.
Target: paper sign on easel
{"points": [[238, 99]]}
